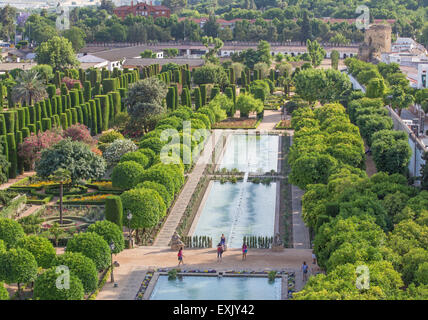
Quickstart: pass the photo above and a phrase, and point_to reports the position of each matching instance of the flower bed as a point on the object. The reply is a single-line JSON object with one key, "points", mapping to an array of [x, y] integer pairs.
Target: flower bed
{"points": [[105, 185], [87, 199], [283, 124], [67, 190], [237, 123], [39, 199]]}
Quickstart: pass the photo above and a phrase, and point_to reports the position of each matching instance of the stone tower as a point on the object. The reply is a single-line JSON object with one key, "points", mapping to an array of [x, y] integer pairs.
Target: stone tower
{"points": [[377, 39]]}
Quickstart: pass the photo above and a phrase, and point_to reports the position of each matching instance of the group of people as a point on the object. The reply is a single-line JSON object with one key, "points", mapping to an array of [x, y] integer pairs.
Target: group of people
{"points": [[221, 247]]}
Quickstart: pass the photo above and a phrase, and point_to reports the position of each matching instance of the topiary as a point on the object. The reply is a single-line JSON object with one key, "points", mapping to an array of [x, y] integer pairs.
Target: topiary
{"points": [[127, 175], [111, 233], [146, 207], [41, 248], [154, 144], [136, 156], [160, 189], [11, 232], [151, 155], [92, 246], [17, 266], [110, 136], [114, 210], [80, 266], [46, 287]]}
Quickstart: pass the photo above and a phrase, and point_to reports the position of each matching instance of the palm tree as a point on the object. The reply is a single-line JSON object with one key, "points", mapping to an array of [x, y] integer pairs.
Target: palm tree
{"points": [[61, 176], [29, 88]]}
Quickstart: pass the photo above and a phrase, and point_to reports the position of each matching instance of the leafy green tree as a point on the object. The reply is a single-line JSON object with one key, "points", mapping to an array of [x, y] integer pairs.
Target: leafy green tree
{"points": [[146, 206], [46, 287], [76, 36], [247, 103], [92, 246], [41, 248], [310, 84], [11, 232], [411, 262], [316, 52], [399, 99], [111, 234], [263, 52], [80, 266], [144, 100], [57, 52], [376, 88], [74, 156], [210, 73], [17, 266], [391, 151]]}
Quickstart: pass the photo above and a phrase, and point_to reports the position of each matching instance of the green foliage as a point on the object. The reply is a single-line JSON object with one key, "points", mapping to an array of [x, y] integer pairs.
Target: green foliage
{"points": [[11, 232], [114, 210], [136, 156], [75, 156], [146, 206], [80, 266], [246, 103], [46, 288], [111, 233], [17, 266], [92, 246], [41, 248], [127, 174]]}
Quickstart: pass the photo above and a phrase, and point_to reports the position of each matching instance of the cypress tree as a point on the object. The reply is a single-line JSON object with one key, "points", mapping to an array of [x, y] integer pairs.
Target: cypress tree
{"points": [[11, 143], [198, 99]]}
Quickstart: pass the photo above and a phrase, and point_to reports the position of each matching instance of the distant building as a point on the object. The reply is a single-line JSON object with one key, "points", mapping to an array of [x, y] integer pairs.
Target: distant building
{"points": [[377, 39], [142, 9]]}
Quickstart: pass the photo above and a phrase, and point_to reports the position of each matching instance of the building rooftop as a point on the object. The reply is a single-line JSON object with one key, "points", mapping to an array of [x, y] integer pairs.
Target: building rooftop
{"points": [[140, 62]]}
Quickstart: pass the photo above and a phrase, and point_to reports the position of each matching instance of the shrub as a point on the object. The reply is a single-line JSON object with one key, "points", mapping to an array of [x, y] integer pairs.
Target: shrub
{"points": [[150, 154], [160, 189], [4, 295], [127, 175], [117, 149], [92, 246], [46, 288], [114, 210], [136, 156], [111, 233], [80, 266], [11, 232], [17, 266], [78, 132], [41, 248], [154, 144], [145, 205]]}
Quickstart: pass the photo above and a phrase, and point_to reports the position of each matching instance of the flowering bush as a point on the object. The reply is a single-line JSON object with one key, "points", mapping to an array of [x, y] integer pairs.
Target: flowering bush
{"points": [[117, 149], [79, 132], [30, 149], [69, 82]]}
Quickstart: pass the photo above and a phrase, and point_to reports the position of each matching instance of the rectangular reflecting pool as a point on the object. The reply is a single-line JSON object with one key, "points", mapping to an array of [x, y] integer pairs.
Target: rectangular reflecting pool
{"points": [[237, 210], [251, 153], [215, 288]]}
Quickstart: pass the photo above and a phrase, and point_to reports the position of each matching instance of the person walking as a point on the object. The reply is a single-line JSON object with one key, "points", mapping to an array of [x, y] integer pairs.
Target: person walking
{"points": [[314, 258], [305, 271], [223, 242], [180, 256], [219, 252], [244, 251]]}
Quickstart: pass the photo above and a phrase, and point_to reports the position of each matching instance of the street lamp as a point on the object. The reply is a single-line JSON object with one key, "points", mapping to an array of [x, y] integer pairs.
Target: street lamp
{"points": [[111, 253], [129, 217]]}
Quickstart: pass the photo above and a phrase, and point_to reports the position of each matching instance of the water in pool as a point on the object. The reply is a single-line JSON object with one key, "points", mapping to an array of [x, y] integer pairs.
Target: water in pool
{"points": [[214, 288], [251, 153], [237, 210]]}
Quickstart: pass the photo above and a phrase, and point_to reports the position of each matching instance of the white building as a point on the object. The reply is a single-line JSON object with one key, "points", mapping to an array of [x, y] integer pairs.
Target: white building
{"points": [[89, 60]]}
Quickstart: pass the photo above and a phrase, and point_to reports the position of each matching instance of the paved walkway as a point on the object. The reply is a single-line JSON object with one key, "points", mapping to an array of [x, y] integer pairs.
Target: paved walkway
{"points": [[6, 185], [135, 262], [301, 239], [270, 120], [180, 205]]}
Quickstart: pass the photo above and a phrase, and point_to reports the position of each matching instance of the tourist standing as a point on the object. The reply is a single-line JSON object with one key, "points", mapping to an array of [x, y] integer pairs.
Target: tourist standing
{"points": [[305, 271], [219, 252], [223, 242], [180, 256], [244, 251]]}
